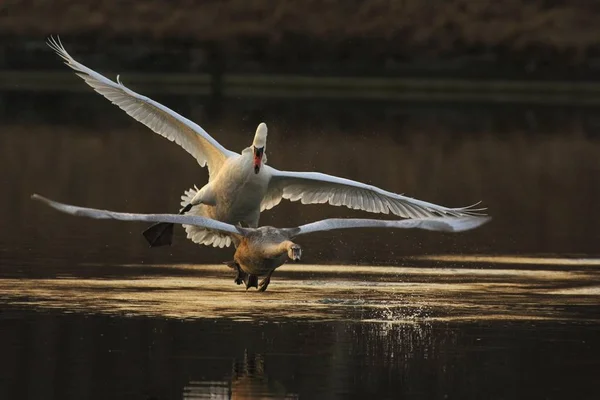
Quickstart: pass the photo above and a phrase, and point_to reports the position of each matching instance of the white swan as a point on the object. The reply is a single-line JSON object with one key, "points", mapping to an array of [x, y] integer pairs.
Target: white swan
{"points": [[241, 185], [259, 251]]}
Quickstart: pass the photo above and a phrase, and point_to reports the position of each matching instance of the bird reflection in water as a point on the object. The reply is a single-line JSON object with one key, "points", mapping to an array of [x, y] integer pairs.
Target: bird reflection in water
{"points": [[248, 381]]}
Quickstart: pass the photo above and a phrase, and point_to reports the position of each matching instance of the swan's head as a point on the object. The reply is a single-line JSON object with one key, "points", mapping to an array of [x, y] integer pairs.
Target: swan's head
{"points": [[259, 145], [294, 252]]}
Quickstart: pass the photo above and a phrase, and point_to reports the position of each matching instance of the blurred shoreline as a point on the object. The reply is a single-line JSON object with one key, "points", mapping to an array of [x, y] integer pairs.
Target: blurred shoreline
{"points": [[439, 38], [326, 87]]}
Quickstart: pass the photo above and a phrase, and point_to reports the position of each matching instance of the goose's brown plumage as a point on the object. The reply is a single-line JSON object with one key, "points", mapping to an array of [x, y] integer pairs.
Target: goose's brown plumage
{"points": [[259, 251]]}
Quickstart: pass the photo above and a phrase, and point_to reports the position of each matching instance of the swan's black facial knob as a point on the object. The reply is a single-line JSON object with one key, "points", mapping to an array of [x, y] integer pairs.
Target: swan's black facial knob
{"points": [[258, 155]]}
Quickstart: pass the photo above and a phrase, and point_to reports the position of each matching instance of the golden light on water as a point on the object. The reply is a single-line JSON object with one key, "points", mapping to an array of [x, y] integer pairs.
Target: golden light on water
{"points": [[524, 260], [320, 292]]}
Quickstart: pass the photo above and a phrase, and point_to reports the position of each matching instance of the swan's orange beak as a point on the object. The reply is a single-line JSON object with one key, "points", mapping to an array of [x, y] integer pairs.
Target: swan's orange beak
{"points": [[258, 155]]}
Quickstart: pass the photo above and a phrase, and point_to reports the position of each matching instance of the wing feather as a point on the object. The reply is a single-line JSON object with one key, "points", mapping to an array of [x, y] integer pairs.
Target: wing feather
{"points": [[198, 234], [442, 224], [317, 188], [171, 218], [154, 115]]}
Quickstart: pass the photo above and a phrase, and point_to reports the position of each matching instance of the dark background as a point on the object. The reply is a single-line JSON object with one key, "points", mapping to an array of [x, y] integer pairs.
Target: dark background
{"points": [[532, 39], [451, 102], [447, 101]]}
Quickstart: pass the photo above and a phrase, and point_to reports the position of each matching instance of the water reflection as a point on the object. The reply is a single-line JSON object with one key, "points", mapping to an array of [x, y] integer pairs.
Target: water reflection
{"points": [[248, 381], [97, 357]]}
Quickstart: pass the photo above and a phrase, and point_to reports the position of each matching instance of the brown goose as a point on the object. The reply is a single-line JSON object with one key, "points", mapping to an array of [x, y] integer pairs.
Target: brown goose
{"points": [[259, 251]]}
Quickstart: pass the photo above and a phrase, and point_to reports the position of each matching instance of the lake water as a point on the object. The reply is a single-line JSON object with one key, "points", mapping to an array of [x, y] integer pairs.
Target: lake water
{"points": [[511, 310]]}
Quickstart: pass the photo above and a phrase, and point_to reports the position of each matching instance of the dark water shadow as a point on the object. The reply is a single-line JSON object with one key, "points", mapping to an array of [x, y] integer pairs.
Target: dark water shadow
{"points": [[74, 356]]}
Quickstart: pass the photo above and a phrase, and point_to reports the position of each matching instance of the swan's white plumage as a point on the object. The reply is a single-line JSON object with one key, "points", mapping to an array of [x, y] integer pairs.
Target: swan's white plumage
{"points": [[231, 176], [270, 200], [314, 187], [199, 234], [155, 116], [260, 137]]}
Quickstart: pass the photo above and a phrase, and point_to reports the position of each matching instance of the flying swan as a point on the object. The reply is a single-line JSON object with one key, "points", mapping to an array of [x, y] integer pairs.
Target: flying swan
{"points": [[240, 186], [259, 251]]}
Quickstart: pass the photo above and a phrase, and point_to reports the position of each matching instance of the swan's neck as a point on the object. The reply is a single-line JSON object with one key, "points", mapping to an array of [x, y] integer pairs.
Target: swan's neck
{"points": [[247, 151], [246, 160]]}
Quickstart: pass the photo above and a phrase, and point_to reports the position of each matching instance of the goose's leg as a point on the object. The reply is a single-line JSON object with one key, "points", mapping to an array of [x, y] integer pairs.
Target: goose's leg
{"points": [[240, 276], [161, 233], [262, 286], [251, 281]]}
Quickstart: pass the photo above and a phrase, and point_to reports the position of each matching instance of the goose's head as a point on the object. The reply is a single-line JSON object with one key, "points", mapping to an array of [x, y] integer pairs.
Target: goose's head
{"points": [[294, 252], [258, 146]]}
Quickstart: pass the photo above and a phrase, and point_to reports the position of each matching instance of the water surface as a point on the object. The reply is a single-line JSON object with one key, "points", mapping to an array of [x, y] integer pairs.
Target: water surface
{"points": [[511, 310]]}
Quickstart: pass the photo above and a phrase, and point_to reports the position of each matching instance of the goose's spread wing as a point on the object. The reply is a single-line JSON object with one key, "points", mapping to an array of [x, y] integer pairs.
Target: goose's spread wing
{"points": [[442, 224], [172, 218], [155, 116], [315, 187]]}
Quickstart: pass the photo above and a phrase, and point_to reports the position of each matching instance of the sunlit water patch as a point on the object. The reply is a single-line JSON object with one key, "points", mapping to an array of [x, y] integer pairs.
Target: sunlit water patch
{"points": [[505, 259], [322, 292]]}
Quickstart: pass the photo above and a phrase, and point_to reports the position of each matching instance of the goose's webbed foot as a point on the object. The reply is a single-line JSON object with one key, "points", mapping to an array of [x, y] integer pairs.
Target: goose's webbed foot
{"points": [[240, 276], [262, 286], [251, 281]]}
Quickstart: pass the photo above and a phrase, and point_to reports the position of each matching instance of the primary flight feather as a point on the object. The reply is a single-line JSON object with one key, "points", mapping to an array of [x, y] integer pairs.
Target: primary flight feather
{"points": [[240, 186]]}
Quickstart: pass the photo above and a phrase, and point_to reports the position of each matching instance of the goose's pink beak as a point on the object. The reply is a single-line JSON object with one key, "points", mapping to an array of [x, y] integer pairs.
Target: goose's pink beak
{"points": [[258, 155]]}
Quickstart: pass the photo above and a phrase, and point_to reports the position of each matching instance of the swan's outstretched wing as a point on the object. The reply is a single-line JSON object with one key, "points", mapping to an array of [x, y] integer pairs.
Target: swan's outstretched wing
{"points": [[443, 224], [314, 187], [171, 218], [155, 116]]}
